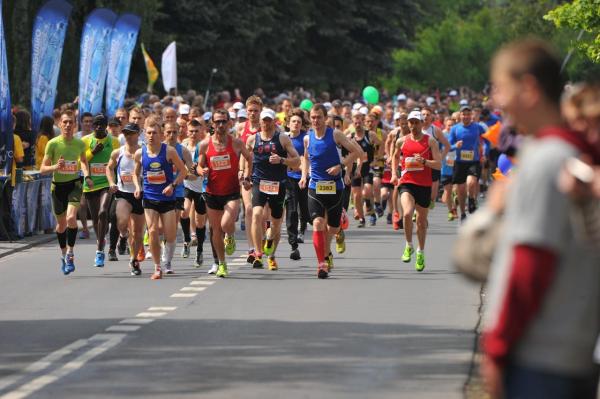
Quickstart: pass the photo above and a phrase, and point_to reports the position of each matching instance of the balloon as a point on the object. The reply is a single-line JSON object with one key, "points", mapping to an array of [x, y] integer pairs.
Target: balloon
{"points": [[493, 134], [371, 95], [306, 104], [504, 164]]}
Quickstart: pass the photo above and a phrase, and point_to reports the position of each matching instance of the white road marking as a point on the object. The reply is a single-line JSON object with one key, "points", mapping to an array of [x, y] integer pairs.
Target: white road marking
{"points": [[179, 295], [136, 321], [202, 282], [123, 328], [150, 314], [236, 264], [193, 289], [162, 308]]}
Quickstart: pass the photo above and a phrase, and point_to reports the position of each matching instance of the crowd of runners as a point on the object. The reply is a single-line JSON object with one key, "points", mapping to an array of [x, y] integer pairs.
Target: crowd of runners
{"points": [[150, 169]]}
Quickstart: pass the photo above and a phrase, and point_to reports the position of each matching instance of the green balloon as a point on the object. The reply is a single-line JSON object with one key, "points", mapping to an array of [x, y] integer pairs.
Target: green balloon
{"points": [[371, 95], [306, 104]]}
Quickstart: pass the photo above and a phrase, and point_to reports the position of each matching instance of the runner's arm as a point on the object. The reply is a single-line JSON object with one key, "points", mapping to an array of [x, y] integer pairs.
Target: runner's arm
{"points": [[47, 166], [304, 161], [189, 163], [110, 168], [246, 155], [137, 170], [173, 157], [436, 162], [293, 159], [354, 150], [442, 138], [396, 158], [85, 168], [202, 167]]}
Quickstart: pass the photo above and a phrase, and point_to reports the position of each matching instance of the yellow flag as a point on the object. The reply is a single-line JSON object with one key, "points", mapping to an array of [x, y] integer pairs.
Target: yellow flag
{"points": [[150, 68]]}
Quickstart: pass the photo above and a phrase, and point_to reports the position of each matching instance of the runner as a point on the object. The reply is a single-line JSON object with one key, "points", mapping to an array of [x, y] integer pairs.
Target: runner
{"points": [[444, 146], [86, 129], [99, 146], [325, 186], [64, 157], [154, 162], [296, 199], [401, 131], [129, 209], [219, 163], [245, 130], [273, 153], [465, 139], [194, 187], [420, 154], [447, 172], [372, 124]]}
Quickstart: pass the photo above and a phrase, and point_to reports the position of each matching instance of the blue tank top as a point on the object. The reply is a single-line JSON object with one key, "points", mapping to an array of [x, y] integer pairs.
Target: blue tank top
{"points": [[298, 143], [179, 190], [157, 174], [322, 155], [262, 169]]}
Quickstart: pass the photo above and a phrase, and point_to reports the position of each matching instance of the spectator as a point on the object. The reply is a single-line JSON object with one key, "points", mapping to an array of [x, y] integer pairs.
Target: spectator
{"points": [[18, 154], [23, 130], [44, 135]]}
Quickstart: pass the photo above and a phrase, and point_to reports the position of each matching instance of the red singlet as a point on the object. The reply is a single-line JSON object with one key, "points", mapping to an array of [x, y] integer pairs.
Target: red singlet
{"points": [[247, 132], [412, 171], [223, 169]]}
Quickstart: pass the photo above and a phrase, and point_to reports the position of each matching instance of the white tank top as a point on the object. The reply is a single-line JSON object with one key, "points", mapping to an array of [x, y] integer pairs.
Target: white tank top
{"points": [[125, 169], [196, 185]]}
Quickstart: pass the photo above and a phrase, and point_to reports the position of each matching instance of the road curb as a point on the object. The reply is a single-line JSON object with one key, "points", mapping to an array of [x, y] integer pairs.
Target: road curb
{"points": [[46, 238]]}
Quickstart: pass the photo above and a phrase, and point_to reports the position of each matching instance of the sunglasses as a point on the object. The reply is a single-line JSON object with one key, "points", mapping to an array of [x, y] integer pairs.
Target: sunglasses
{"points": [[221, 122]]}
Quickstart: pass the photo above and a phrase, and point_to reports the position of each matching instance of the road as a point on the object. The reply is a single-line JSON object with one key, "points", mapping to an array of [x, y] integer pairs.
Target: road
{"points": [[375, 329]]}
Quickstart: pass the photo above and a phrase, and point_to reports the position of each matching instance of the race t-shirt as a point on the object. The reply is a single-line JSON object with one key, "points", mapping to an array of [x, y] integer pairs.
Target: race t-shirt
{"points": [[70, 150], [470, 136], [98, 161]]}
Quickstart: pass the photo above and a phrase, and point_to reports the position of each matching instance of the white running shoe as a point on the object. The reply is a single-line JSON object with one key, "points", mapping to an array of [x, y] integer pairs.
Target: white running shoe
{"points": [[213, 269]]}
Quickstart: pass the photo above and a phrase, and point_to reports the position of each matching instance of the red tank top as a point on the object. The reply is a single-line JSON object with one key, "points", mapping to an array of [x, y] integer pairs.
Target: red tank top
{"points": [[414, 172], [247, 132], [223, 169]]}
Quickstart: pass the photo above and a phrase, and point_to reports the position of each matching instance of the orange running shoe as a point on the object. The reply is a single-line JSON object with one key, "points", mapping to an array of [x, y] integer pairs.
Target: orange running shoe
{"points": [[141, 256]]}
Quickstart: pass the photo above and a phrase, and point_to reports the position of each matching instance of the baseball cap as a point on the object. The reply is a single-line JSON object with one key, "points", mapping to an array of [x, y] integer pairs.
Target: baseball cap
{"points": [[364, 110], [267, 113], [396, 116], [356, 106], [232, 115], [184, 109], [453, 93], [131, 127], [207, 116], [336, 103], [464, 102], [114, 122], [465, 108], [242, 113], [402, 97], [415, 115], [238, 105], [327, 105], [100, 119], [430, 100]]}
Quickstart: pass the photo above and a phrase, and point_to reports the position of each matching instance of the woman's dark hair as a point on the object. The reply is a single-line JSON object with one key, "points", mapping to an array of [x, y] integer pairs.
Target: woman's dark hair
{"points": [[23, 119], [299, 112], [47, 127]]}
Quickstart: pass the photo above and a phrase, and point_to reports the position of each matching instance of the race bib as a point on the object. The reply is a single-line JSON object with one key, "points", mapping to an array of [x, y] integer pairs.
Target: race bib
{"points": [[70, 168], [220, 162], [98, 169], [450, 158], [156, 177], [326, 187], [269, 187], [412, 165], [126, 178], [467, 155]]}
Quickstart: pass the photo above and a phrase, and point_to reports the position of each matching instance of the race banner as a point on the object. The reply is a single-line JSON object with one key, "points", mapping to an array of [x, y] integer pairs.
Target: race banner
{"points": [[47, 43], [169, 67], [93, 62], [6, 132], [122, 43]]}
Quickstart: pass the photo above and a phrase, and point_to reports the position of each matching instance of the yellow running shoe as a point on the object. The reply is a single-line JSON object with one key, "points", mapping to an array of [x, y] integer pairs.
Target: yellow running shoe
{"points": [[272, 264], [340, 242], [329, 262], [229, 242]]}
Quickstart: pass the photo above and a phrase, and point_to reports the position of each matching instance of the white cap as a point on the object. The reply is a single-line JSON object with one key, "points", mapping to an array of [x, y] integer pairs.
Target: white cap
{"points": [[430, 100], [463, 102], [402, 97], [396, 116], [232, 115], [267, 113], [327, 105], [415, 115], [238, 105], [364, 110], [184, 109], [356, 106], [242, 113], [207, 116], [453, 93]]}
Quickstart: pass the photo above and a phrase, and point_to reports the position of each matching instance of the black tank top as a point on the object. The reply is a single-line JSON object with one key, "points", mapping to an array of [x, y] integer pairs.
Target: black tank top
{"points": [[262, 169]]}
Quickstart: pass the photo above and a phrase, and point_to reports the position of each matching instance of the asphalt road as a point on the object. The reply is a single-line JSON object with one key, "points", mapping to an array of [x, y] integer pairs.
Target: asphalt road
{"points": [[375, 329]]}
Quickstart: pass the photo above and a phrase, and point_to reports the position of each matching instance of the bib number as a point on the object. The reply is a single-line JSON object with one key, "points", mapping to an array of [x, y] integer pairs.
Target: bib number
{"points": [[467, 155], [220, 162], [412, 165], [126, 178], [326, 187], [98, 169], [450, 158], [269, 187], [156, 177], [70, 168]]}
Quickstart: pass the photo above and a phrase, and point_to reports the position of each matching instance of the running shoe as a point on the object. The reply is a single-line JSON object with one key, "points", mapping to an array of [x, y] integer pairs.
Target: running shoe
{"points": [[472, 205], [199, 260], [99, 260], [243, 225], [141, 256], [222, 270], [389, 218], [463, 217], [272, 263], [250, 258], [84, 234], [322, 272], [112, 255], [295, 255], [372, 219], [379, 211], [300, 238], [414, 218], [169, 268], [396, 220], [451, 216], [122, 246], [329, 261], [63, 266], [146, 238], [344, 222], [157, 275], [361, 223], [408, 251], [213, 269], [229, 242], [134, 265], [340, 242], [420, 264], [258, 263], [431, 204], [268, 248], [185, 251], [70, 262]]}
